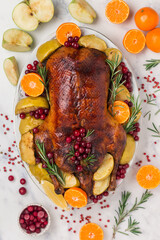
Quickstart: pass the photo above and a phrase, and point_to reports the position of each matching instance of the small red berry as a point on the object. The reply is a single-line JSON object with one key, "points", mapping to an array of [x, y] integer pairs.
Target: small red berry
{"points": [[76, 146], [95, 200], [22, 191], [46, 111], [81, 150], [79, 168], [27, 71], [136, 138], [122, 64], [76, 39], [22, 181], [76, 133], [22, 115], [35, 130], [29, 66], [35, 63], [50, 155], [68, 139], [79, 139], [88, 145], [36, 115], [30, 208], [42, 116], [70, 39], [77, 154], [10, 178], [40, 111], [67, 44], [75, 45], [32, 113], [124, 69]]}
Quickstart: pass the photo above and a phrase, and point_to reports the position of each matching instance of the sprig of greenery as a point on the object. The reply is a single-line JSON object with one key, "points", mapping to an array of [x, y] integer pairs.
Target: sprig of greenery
{"points": [[151, 63], [149, 116], [51, 168], [71, 153], [122, 213], [155, 130], [136, 108], [150, 100], [89, 160], [42, 71], [89, 133]]}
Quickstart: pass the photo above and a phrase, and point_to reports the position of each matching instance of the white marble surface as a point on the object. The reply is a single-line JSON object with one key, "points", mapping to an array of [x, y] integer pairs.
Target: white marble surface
{"points": [[11, 202]]}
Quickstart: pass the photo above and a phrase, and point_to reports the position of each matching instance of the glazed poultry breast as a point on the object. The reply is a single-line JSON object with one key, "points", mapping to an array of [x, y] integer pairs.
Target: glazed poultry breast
{"points": [[79, 82]]}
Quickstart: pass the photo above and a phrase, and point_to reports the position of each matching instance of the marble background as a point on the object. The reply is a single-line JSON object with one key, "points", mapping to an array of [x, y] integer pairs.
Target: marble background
{"points": [[11, 202]]}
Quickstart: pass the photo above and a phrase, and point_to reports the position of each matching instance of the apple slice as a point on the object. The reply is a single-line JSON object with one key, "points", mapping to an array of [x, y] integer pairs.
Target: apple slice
{"points": [[16, 40], [82, 11], [11, 70], [24, 18], [43, 10]]}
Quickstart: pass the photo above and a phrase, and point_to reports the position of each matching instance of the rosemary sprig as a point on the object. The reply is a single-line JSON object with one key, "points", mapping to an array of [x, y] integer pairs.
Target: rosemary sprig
{"points": [[150, 100], [155, 130], [122, 213], [89, 160], [151, 63], [149, 116], [43, 73], [51, 168], [71, 153], [129, 126], [89, 133]]}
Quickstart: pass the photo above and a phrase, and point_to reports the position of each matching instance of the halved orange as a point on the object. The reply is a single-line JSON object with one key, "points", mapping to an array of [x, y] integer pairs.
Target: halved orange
{"points": [[134, 41], [32, 85], [91, 231], [148, 177], [120, 111], [117, 11], [66, 30], [76, 197]]}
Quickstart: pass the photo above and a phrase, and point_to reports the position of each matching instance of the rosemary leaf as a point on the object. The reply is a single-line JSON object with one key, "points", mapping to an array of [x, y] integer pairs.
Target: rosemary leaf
{"points": [[89, 133], [155, 130], [89, 160], [42, 71], [151, 63]]}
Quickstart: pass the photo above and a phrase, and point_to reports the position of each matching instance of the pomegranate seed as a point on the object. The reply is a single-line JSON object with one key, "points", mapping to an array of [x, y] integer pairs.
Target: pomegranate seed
{"points": [[46, 111], [32, 228], [35, 63], [29, 66], [40, 214], [75, 45], [40, 111], [79, 139], [76, 146], [79, 168], [50, 155], [68, 139], [81, 150], [10, 178], [76, 133], [124, 69], [43, 116], [38, 230], [35, 130], [22, 191], [77, 154], [76, 38], [136, 138], [36, 115], [30, 209], [27, 71], [77, 162], [88, 145], [22, 181], [22, 115], [67, 44], [70, 39], [87, 150]]}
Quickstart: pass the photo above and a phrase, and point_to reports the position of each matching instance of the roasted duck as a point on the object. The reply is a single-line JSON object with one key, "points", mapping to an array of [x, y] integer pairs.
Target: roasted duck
{"points": [[79, 81]]}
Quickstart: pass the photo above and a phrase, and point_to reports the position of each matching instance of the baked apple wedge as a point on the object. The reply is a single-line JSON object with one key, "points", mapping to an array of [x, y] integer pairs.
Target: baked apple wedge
{"points": [[11, 70]]}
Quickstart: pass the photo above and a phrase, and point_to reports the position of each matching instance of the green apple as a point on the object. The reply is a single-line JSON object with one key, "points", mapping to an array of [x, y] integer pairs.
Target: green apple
{"points": [[91, 41], [43, 9], [46, 49], [82, 11], [17, 40], [11, 70], [24, 18]]}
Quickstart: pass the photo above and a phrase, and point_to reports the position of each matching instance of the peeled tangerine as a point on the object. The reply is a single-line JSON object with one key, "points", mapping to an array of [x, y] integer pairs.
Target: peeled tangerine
{"points": [[82, 11], [11, 70], [28, 123], [105, 169], [58, 199], [101, 186], [91, 41], [46, 49], [129, 150], [39, 173], [26, 105]]}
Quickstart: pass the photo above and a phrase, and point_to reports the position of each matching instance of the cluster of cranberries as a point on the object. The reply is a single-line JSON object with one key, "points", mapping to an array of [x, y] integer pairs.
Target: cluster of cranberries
{"points": [[32, 68], [22, 190], [135, 132], [81, 147], [127, 77], [33, 219], [97, 198], [50, 156], [72, 42], [40, 113], [121, 171]]}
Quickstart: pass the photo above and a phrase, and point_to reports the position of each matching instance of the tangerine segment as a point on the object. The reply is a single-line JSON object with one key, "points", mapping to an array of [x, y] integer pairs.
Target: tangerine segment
{"points": [[148, 177], [117, 11], [76, 197], [120, 111], [66, 30], [91, 231], [134, 41], [32, 85]]}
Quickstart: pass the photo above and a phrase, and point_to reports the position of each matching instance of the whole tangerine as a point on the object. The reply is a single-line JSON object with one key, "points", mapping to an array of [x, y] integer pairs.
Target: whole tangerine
{"points": [[146, 18], [153, 40]]}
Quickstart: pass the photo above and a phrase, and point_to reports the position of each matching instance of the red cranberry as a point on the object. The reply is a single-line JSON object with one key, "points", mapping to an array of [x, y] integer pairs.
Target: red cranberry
{"points": [[131, 132], [67, 44], [28, 231], [136, 124], [79, 139], [73, 158], [22, 191], [76, 133], [31, 217], [138, 129], [27, 71], [76, 162], [44, 165], [26, 217], [79, 168], [36, 115], [99, 197], [87, 150], [11, 178], [43, 116], [95, 200], [30, 208], [122, 176], [92, 197], [22, 115], [83, 144], [35, 63], [79, 158], [88, 145], [29, 66], [105, 194], [35, 130], [118, 177], [82, 130], [84, 155], [82, 135], [73, 137], [77, 154], [40, 111], [38, 224], [68, 139], [32, 228], [123, 171], [130, 89], [129, 74], [46, 111], [50, 155], [46, 223], [42, 225], [38, 160], [32, 113], [34, 68], [122, 64], [126, 165], [81, 150], [136, 138], [76, 38], [42, 220], [40, 214], [126, 101], [75, 45], [35, 213], [70, 39], [38, 230], [130, 104], [26, 211], [23, 225], [22, 181], [76, 146], [124, 69]]}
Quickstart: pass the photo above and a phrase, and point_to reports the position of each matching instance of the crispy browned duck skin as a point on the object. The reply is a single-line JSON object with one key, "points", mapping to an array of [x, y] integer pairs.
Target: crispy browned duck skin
{"points": [[78, 90]]}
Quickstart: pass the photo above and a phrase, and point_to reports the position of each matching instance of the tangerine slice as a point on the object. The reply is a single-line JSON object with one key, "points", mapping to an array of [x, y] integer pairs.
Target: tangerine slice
{"points": [[76, 197], [120, 111], [91, 231], [117, 11], [66, 30], [134, 41], [32, 85], [148, 177]]}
